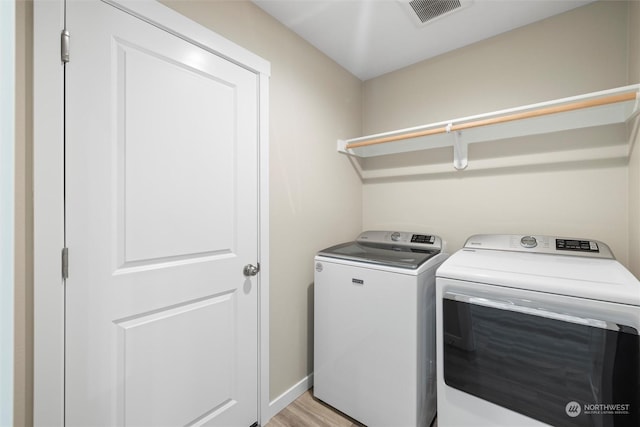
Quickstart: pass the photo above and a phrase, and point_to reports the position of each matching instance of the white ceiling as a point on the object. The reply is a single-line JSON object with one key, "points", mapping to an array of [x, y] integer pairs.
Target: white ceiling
{"points": [[373, 37]]}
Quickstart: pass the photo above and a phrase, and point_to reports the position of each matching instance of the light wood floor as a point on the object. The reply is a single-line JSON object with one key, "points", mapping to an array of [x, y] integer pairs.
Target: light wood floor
{"points": [[306, 411]]}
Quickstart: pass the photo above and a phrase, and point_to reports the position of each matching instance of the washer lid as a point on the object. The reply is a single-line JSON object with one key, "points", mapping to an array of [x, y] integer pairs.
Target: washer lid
{"points": [[383, 254]]}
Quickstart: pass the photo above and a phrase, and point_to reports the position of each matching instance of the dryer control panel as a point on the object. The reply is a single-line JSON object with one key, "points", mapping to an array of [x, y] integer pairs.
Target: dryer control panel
{"points": [[577, 245], [540, 244]]}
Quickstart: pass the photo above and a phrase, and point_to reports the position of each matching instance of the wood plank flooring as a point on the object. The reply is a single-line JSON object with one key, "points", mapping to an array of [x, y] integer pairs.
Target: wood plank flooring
{"points": [[307, 411]]}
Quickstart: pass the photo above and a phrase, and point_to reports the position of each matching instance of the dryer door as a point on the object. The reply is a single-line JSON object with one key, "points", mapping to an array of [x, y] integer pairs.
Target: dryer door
{"points": [[560, 360]]}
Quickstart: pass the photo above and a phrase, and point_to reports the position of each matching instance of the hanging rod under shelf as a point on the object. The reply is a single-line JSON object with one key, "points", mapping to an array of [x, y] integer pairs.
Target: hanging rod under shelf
{"points": [[623, 97]]}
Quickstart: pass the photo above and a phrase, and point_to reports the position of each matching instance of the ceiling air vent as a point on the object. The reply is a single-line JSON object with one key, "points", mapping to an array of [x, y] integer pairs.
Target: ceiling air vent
{"points": [[425, 11]]}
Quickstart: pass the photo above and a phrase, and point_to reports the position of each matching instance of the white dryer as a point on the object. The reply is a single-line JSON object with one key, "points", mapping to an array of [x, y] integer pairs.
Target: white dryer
{"points": [[537, 330], [374, 323]]}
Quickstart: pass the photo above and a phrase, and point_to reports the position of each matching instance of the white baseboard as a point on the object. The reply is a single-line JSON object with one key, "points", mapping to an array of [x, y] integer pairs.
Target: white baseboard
{"points": [[282, 401]]}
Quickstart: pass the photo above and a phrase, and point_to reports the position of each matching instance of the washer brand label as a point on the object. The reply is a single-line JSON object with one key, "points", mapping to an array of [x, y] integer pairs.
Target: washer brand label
{"points": [[357, 281], [319, 267]]}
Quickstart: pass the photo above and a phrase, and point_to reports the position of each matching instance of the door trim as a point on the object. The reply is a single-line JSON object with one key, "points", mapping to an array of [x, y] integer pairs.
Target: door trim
{"points": [[48, 128], [8, 184]]}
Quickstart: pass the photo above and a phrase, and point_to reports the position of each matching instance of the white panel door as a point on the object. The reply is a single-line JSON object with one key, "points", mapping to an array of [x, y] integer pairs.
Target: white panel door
{"points": [[161, 217]]}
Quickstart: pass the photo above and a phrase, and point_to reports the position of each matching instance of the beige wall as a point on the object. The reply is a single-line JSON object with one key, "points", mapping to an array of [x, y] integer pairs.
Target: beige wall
{"points": [[634, 162], [634, 204], [315, 193], [581, 51], [23, 310], [574, 53]]}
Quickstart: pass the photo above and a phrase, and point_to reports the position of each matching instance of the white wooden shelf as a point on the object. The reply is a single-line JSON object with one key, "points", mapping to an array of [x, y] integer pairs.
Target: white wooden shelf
{"points": [[594, 109]]}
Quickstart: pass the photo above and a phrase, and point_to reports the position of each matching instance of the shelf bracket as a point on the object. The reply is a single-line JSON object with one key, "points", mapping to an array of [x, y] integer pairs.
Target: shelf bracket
{"points": [[460, 159], [342, 148]]}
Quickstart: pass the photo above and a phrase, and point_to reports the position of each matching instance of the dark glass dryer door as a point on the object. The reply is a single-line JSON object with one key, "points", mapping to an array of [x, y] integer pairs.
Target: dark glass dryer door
{"points": [[560, 369]]}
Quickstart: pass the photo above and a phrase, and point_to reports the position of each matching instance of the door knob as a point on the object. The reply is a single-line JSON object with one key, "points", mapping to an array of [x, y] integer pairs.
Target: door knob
{"points": [[251, 270]]}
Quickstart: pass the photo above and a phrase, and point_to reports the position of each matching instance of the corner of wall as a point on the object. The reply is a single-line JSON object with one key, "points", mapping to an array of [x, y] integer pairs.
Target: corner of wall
{"points": [[23, 292], [634, 157]]}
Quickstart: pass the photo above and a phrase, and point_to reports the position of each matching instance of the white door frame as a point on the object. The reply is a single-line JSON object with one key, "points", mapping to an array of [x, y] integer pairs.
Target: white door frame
{"points": [[7, 206], [49, 293]]}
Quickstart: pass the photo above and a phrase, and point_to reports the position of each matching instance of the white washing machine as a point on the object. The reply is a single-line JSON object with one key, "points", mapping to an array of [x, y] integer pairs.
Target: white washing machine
{"points": [[537, 330], [374, 323]]}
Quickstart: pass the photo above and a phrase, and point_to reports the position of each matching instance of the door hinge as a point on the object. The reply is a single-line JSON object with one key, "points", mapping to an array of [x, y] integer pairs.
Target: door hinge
{"points": [[64, 46], [65, 263]]}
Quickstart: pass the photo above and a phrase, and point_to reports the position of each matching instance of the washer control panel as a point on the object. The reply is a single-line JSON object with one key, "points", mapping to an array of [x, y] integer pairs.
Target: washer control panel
{"points": [[423, 238], [540, 244], [402, 238]]}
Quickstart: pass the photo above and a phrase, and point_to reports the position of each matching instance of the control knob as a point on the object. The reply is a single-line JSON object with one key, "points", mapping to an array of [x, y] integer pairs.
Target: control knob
{"points": [[395, 236], [528, 242]]}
